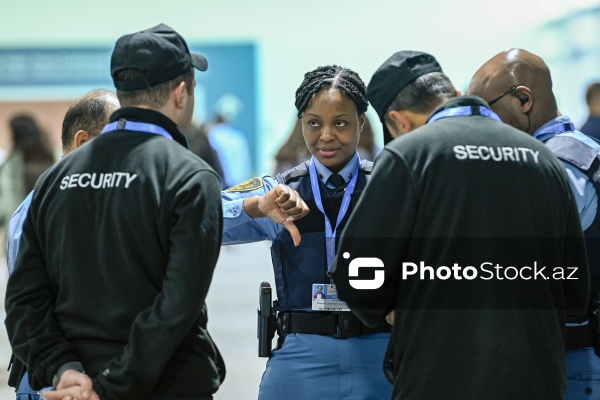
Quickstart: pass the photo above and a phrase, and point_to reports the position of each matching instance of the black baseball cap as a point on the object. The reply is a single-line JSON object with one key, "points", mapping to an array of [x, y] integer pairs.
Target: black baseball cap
{"points": [[394, 75], [160, 52]]}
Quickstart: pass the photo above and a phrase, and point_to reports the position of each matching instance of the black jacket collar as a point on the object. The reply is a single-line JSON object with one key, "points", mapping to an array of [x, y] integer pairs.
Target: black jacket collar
{"points": [[153, 117]]}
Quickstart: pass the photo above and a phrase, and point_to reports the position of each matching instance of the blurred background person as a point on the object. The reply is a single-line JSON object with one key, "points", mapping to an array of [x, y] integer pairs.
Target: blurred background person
{"points": [[367, 148], [30, 156], [293, 151], [200, 145], [591, 127], [230, 143]]}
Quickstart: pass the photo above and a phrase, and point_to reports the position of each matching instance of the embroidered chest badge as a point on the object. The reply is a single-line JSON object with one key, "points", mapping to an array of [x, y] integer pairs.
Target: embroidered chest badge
{"points": [[247, 186]]}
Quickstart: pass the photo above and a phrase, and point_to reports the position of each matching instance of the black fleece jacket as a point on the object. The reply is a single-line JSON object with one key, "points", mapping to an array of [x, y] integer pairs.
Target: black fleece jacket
{"points": [[115, 262]]}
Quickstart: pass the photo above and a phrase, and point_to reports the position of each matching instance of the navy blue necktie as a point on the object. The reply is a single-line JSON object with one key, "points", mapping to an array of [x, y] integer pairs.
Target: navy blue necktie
{"points": [[337, 181]]}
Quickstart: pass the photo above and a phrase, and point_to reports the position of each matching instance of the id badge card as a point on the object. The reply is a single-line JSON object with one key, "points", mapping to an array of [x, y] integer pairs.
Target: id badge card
{"points": [[325, 298]]}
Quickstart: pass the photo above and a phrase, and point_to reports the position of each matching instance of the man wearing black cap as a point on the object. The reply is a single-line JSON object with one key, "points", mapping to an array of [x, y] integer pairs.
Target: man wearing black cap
{"points": [[120, 243], [406, 89], [481, 278]]}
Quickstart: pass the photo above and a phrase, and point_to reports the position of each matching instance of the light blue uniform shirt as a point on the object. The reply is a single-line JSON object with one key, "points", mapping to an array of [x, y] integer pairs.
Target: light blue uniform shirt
{"points": [[15, 230], [239, 227], [584, 191], [586, 197]]}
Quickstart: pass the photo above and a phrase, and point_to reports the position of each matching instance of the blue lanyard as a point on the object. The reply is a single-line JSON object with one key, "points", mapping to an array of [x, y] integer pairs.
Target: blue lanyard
{"points": [[465, 111], [559, 127], [330, 232], [138, 127]]}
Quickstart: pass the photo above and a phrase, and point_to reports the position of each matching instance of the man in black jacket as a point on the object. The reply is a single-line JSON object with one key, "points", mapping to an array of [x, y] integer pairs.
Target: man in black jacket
{"points": [[479, 251], [83, 121], [120, 243]]}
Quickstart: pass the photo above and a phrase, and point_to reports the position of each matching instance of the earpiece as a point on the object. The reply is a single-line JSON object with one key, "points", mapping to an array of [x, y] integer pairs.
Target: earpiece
{"points": [[523, 98]]}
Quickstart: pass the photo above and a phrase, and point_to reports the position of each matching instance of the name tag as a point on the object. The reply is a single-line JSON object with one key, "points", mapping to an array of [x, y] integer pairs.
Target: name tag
{"points": [[325, 298]]}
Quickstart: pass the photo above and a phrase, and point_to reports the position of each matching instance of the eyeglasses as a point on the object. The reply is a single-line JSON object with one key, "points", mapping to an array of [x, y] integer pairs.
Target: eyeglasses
{"points": [[495, 99]]}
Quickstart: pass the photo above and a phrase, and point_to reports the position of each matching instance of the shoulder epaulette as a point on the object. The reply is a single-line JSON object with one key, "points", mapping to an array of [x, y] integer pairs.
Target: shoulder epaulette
{"points": [[296, 172], [577, 153], [366, 167]]}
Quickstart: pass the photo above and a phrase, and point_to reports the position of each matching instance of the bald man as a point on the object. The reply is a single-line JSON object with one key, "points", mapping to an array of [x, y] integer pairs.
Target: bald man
{"points": [[518, 87], [83, 121]]}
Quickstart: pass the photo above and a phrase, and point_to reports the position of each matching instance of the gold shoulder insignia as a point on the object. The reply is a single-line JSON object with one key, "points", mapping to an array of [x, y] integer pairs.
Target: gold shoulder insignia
{"points": [[247, 186]]}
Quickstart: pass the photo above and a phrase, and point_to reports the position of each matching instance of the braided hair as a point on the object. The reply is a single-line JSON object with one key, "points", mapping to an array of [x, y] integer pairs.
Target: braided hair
{"points": [[336, 77]]}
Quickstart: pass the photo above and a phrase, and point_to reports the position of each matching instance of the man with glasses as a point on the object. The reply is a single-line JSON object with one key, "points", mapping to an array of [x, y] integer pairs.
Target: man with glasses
{"points": [[83, 122], [519, 88]]}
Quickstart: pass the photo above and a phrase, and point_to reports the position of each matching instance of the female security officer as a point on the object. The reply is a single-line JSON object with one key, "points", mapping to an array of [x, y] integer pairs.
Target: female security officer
{"points": [[322, 352]]}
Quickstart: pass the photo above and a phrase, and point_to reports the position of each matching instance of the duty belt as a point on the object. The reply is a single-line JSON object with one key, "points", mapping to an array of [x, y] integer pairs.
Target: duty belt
{"points": [[339, 324]]}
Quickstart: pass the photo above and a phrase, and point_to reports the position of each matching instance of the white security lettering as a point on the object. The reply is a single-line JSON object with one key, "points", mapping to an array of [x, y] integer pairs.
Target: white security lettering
{"points": [[81, 183], [96, 185], [480, 150], [129, 179], [524, 152], [106, 180], [508, 153], [472, 151], [98, 181], [64, 183], [459, 152], [516, 153], [73, 180], [485, 153], [496, 154], [119, 175]]}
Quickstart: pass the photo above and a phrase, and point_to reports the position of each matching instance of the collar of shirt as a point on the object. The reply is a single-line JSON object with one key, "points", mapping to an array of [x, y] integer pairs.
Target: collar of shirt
{"points": [[346, 172], [563, 119], [459, 101]]}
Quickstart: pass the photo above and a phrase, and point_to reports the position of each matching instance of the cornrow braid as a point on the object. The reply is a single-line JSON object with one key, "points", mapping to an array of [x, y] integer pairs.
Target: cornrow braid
{"points": [[335, 77]]}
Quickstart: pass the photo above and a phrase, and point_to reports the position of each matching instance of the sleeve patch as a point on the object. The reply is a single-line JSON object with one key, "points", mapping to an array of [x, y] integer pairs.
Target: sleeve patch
{"points": [[247, 186]]}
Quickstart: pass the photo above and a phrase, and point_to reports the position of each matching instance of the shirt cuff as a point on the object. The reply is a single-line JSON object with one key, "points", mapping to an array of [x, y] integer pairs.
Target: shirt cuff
{"points": [[76, 365]]}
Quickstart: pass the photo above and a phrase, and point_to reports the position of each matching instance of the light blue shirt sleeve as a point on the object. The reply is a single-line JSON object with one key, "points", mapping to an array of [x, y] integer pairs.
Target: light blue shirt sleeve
{"points": [[238, 226], [15, 230], [583, 189], [585, 193]]}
